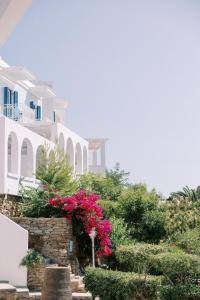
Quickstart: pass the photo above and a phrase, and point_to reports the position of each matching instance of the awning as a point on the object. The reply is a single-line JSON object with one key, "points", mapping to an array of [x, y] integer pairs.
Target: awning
{"points": [[17, 73], [42, 91]]}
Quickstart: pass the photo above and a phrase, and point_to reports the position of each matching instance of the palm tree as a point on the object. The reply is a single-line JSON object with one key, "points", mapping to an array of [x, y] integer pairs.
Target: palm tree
{"points": [[191, 194]]}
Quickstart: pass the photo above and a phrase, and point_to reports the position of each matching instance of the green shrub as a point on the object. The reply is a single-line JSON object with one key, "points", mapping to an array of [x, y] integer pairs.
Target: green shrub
{"points": [[109, 207], [180, 292], [142, 212], [32, 259], [137, 257], [178, 266], [115, 285], [120, 234], [35, 204], [100, 185], [189, 241], [181, 215]]}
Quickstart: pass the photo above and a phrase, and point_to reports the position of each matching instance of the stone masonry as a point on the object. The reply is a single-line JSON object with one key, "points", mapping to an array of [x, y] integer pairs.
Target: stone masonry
{"points": [[10, 205], [52, 237]]}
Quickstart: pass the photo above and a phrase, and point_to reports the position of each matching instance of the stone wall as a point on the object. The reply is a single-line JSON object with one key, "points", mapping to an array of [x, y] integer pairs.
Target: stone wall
{"points": [[52, 237], [10, 205], [36, 276]]}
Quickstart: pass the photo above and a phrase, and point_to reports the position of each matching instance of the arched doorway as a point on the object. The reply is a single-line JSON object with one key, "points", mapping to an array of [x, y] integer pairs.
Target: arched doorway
{"points": [[70, 152], [12, 153], [26, 159]]}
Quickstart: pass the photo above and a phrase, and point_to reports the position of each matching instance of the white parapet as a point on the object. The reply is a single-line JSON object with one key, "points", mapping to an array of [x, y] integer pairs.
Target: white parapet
{"points": [[13, 247]]}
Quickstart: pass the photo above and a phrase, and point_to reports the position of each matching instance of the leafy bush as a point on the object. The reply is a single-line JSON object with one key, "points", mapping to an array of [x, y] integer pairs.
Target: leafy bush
{"points": [[137, 257], [143, 214], [100, 185], [182, 214], [32, 259], [35, 204], [109, 207], [115, 285], [119, 236], [120, 233], [178, 266], [189, 241], [178, 291]]}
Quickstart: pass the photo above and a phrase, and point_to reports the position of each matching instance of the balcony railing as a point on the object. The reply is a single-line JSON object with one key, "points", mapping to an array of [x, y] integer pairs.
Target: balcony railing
{"points": [[19, 113]]}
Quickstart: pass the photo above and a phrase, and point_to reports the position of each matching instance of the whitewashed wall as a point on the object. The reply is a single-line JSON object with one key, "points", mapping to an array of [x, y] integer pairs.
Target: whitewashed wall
{"points": [[13, 247]]}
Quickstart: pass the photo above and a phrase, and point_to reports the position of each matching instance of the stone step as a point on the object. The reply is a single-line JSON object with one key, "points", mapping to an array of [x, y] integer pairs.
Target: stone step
{"points": [[75, 296], [81, 296], [22, 293], [74, 284], [7, 291], [35, 295]]}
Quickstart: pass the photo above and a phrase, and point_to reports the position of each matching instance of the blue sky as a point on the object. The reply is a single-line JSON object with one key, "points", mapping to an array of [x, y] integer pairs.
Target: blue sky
{"points": [[130, 70]]}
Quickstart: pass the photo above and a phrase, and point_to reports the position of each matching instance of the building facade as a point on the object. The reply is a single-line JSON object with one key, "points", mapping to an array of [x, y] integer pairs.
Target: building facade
{"points": [[31, 116]]}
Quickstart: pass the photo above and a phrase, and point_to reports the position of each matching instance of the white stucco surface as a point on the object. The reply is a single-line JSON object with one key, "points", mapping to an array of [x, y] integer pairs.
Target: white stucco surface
{"points": [[13, 247]]}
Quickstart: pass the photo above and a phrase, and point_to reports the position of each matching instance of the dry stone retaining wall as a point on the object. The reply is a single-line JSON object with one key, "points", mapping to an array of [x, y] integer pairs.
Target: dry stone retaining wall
{"points": [[52, 237], [10, 205]]}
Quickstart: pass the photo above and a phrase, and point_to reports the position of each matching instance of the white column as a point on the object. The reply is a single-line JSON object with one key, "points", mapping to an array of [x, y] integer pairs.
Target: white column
{"points": [[94, 158], [103, 155], [3, 156]]}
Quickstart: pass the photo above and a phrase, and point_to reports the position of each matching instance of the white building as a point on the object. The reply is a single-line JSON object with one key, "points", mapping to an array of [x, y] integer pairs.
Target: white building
{"points": [[31, 115]]}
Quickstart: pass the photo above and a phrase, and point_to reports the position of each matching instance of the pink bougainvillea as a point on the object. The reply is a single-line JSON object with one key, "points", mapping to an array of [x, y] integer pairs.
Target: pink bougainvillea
{"points": [[84, 208]]}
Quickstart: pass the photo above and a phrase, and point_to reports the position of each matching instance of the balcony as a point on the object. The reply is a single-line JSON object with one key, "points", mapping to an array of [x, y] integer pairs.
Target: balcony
{"points": [[19, 113]]}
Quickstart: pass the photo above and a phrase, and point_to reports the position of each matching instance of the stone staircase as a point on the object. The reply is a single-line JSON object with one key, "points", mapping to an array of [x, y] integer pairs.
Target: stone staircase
{"points": [[9, 292]]}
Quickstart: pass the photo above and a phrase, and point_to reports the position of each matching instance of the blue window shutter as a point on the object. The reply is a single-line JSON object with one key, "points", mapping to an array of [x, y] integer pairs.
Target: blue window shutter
{"points": [[32, 105], [15, 98], [38, 112], [6, 95], [54, 116]]}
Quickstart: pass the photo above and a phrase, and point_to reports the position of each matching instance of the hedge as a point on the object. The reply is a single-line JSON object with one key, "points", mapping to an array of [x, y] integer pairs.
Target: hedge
{"points": [[177, 292], [115, 285], [137, 257], [177, 266]]}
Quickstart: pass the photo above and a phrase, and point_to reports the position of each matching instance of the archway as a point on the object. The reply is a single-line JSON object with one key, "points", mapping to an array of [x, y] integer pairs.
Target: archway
{"points": [[12, 153], [26, 159], [70, 152]]}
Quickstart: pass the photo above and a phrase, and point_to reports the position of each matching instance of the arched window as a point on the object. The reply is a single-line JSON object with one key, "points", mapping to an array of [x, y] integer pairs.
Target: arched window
{"points": [[12, 153], [70, 152], [85, 160], [26, 159], [78, 159]]}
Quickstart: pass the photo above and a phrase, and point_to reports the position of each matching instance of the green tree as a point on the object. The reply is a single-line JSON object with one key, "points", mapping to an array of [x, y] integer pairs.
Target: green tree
{"points": [[54, 171], [119, 177], [99, 185], [143, 213], [191, 194]]}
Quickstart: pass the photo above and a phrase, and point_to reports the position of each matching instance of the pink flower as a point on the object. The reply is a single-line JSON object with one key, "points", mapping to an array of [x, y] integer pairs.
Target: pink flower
{"points": [[84, 208]]}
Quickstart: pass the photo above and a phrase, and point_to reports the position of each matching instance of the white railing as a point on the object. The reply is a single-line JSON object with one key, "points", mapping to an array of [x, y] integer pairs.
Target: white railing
{"points": [[20, 112]]}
